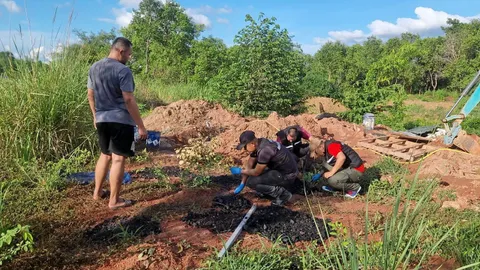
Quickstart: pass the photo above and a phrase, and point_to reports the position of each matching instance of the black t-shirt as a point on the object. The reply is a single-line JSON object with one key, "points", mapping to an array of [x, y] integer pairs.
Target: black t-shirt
{"points": [[275, 156]]}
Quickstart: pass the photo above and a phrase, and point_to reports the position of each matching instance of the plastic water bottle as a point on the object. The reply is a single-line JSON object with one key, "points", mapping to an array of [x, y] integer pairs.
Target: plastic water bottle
{"points": [[369, 121]]}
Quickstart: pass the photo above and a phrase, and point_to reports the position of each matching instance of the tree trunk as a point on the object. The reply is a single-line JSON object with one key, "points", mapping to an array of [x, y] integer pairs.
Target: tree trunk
{"points": [[146, 57]]}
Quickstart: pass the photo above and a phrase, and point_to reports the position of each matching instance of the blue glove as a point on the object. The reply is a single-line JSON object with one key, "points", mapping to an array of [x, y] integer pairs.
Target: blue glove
{"points": [[239, 188], [316, 177], [236, 170]]}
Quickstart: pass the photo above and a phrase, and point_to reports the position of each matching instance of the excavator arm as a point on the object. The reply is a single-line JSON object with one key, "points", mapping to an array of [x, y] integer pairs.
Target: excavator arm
{"points": [[455, 135]]}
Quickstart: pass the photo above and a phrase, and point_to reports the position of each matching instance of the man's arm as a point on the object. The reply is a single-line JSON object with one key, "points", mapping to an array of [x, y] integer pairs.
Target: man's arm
{"points": [[255, 171], [338, 164], [305, 134], [132, 108], [91, 102]]}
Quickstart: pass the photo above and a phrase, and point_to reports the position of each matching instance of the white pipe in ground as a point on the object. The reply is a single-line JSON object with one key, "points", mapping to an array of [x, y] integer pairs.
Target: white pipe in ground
{"points": [[237, 231]]}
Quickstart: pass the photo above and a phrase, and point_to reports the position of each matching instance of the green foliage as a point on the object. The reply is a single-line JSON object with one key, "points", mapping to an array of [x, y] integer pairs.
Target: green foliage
{"points": [[208, 56], [7, 62], [13, 241], [389, 166], [472, 125], [162, 35], [92, 46], [265, 71]]}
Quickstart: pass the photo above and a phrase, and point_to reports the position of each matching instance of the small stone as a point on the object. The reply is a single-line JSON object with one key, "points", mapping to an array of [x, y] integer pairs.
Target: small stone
{"points": [[451, 204]]}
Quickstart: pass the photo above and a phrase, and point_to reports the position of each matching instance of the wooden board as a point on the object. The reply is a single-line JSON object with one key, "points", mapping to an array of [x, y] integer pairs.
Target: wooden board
{"points": [[396, 147]]}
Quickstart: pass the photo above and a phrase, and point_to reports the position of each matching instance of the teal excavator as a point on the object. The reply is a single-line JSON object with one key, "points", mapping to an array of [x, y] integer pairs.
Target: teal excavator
{"points": [[455, 135]]}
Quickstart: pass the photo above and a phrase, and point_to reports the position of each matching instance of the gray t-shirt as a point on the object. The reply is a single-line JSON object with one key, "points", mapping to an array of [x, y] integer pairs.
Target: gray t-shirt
{"points": [[108, 78]]}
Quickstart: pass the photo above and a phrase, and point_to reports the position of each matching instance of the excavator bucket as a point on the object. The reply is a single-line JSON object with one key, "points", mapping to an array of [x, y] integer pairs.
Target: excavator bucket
{"points": [[468, 143]]}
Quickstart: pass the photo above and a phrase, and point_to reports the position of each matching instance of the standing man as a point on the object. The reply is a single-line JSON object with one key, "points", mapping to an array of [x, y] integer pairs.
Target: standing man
{"points": [[274, 181], [345, 167], [291, 138], [115, 113]]}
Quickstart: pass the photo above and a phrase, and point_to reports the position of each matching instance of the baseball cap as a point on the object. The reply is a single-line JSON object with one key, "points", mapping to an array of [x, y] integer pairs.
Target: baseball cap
{"points": [[246, 137]]}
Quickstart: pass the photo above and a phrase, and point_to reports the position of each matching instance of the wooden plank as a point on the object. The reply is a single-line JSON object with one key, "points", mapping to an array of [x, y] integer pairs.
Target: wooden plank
{"points": [[390, 142], [408, 147], [374, 138]]}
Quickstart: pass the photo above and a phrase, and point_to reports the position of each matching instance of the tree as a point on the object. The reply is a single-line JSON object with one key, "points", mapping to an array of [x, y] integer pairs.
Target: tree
{"points": [[207, 58], [162, 35], [265, 71]]}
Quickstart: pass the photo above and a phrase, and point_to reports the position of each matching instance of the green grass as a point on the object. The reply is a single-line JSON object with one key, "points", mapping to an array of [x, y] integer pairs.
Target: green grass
{"points": [[438, 95], [154, 91]]}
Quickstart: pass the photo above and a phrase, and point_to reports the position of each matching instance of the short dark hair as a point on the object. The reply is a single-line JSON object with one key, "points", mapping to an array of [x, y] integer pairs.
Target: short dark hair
{"points": [[121, 42]]}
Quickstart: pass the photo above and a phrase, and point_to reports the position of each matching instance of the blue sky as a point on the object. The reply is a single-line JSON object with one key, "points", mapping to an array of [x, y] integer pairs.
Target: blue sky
{"points": [[311, 22]]}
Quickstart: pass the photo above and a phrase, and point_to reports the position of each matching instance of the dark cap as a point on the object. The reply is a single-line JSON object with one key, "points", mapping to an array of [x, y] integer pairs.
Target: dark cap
{"points": [[246, 137]]}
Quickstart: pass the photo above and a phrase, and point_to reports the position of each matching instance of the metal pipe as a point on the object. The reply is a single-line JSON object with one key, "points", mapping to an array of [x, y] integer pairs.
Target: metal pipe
{"points": [[237, 231], [464, 92]]}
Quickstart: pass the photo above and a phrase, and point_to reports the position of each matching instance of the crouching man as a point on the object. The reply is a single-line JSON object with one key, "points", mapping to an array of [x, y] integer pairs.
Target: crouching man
{"points": [[270, 170], [344, 168], [291, 138]]}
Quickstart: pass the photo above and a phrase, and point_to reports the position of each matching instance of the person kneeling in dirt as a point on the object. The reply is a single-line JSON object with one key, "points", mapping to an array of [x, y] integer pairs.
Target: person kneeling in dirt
{"points": [[291, 138], [272, 181], [345, 168]]}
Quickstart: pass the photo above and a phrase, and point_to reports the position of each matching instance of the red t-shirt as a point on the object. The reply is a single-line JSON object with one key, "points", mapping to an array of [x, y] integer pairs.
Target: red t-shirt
{"points": [[335, 148]]}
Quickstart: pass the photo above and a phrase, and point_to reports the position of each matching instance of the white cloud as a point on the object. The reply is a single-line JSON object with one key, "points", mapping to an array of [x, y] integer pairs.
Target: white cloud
{"points": [[428, 21], [107, 20], [198, 18], [310, 48], [322, 41], [224, 10], [36, 52], [10, 5], [223, 20], [130, 3], [122, 16], [66, 4]]}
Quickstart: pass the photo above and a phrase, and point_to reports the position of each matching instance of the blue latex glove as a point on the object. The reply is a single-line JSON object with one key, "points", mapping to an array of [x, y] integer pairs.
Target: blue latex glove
{"points": [[316, 177], [239, 188], [236, 170]]}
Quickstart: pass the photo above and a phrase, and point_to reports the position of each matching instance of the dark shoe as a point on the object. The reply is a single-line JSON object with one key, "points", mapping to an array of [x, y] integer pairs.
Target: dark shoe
{"points": [[283, 198]]}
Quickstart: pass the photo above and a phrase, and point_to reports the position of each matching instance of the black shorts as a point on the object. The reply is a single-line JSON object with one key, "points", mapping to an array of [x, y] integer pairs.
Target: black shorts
{"points": [[116, 138]]}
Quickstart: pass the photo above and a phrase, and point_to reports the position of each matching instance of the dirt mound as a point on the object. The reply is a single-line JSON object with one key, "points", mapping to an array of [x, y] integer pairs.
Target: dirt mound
{"points": [[450, 163], [183, 120], [267, 128], [271, 222]]}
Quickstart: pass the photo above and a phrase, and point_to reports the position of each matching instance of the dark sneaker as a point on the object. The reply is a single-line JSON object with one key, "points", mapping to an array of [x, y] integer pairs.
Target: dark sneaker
{"points": [[283, 198], [328, 189], [352, 193]]}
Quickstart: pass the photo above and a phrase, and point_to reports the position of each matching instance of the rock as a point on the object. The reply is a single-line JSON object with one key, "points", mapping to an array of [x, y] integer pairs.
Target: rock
{"points": [[451, 204]]}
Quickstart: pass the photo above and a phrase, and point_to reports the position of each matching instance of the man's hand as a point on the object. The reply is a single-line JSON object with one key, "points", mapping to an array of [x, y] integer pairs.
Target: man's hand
{"points": [[142, 132], [94, 122], [239, 188], [316, 177], [236, 170], [328, 175]]}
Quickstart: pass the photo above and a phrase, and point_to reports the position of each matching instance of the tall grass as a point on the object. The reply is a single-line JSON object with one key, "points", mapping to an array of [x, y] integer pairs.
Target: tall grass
{"points": [[45, 113]]}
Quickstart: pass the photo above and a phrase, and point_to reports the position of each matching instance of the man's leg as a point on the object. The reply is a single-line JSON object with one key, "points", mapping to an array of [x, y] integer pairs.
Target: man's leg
{"points": [[101, 170], [122, 146], [271, 183], [116, 178], [342, 180]]}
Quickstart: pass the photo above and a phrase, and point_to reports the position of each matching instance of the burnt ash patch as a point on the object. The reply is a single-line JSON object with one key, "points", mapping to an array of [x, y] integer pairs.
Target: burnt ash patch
{"points": [[275, 222], [113, 229], [272, 222], [225, 181]]}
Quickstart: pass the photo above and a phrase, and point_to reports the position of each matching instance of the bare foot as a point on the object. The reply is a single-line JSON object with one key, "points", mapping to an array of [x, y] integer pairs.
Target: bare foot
{"points": [[102, 194], [120, 203]]}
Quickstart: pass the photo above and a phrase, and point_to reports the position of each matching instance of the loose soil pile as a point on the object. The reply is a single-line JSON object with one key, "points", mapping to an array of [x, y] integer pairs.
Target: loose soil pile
{"points": [[183, 120], [272, 222]]}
